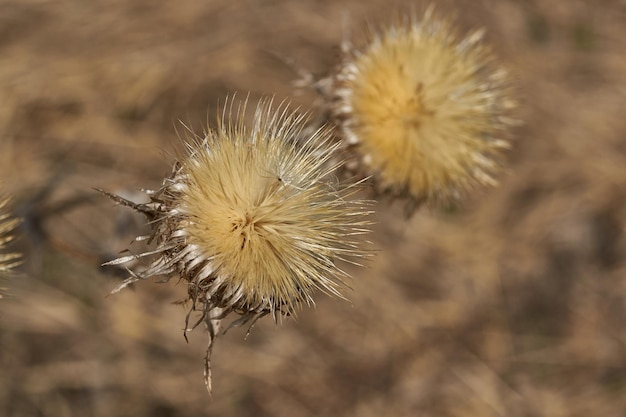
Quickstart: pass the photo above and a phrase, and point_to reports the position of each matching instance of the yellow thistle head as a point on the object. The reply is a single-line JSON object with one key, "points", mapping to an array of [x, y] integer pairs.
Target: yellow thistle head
{"points": [[8, 260], [253, 220], [422, 110]]}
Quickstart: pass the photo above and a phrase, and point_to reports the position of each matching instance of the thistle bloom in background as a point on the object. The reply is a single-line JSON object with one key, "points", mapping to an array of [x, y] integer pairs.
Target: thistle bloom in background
{"points": [[252, 220], [8, 260], [422, 110]]}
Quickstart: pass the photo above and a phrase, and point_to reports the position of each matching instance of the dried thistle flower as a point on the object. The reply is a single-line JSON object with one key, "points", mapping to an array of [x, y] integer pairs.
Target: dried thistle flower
{"points": [[8, 261], [422, 110], [252, 220]]}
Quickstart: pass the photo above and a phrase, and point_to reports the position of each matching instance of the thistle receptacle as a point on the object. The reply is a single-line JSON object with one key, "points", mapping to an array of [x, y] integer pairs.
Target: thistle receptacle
{"points": [[253, 220], [422, 110], [8, 260]]}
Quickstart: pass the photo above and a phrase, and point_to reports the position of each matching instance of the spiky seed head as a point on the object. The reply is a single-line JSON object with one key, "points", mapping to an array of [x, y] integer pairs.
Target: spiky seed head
{"points": [[253, 220], [423, 110], [8, 260]]}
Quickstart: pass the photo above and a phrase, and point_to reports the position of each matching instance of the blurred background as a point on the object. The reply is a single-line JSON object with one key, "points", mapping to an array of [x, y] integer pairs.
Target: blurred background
{"points": [[512, 305]]}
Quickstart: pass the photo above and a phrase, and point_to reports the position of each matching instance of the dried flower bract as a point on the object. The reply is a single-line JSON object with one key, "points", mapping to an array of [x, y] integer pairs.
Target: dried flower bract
{"points": [[8, 260], [422, 110], [253, 220]]}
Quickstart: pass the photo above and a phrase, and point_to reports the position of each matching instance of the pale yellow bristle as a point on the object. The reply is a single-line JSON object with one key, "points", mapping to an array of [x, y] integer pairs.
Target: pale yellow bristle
{"points": [[263, 215], [422, 108]]}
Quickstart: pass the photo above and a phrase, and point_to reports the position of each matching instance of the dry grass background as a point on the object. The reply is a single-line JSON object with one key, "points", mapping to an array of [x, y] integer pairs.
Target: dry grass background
{"points": [[512, 305]]}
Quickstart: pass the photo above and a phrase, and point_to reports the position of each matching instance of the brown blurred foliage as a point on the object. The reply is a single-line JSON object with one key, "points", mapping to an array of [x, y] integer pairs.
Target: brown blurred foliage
{"points": [[512, 305]]}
